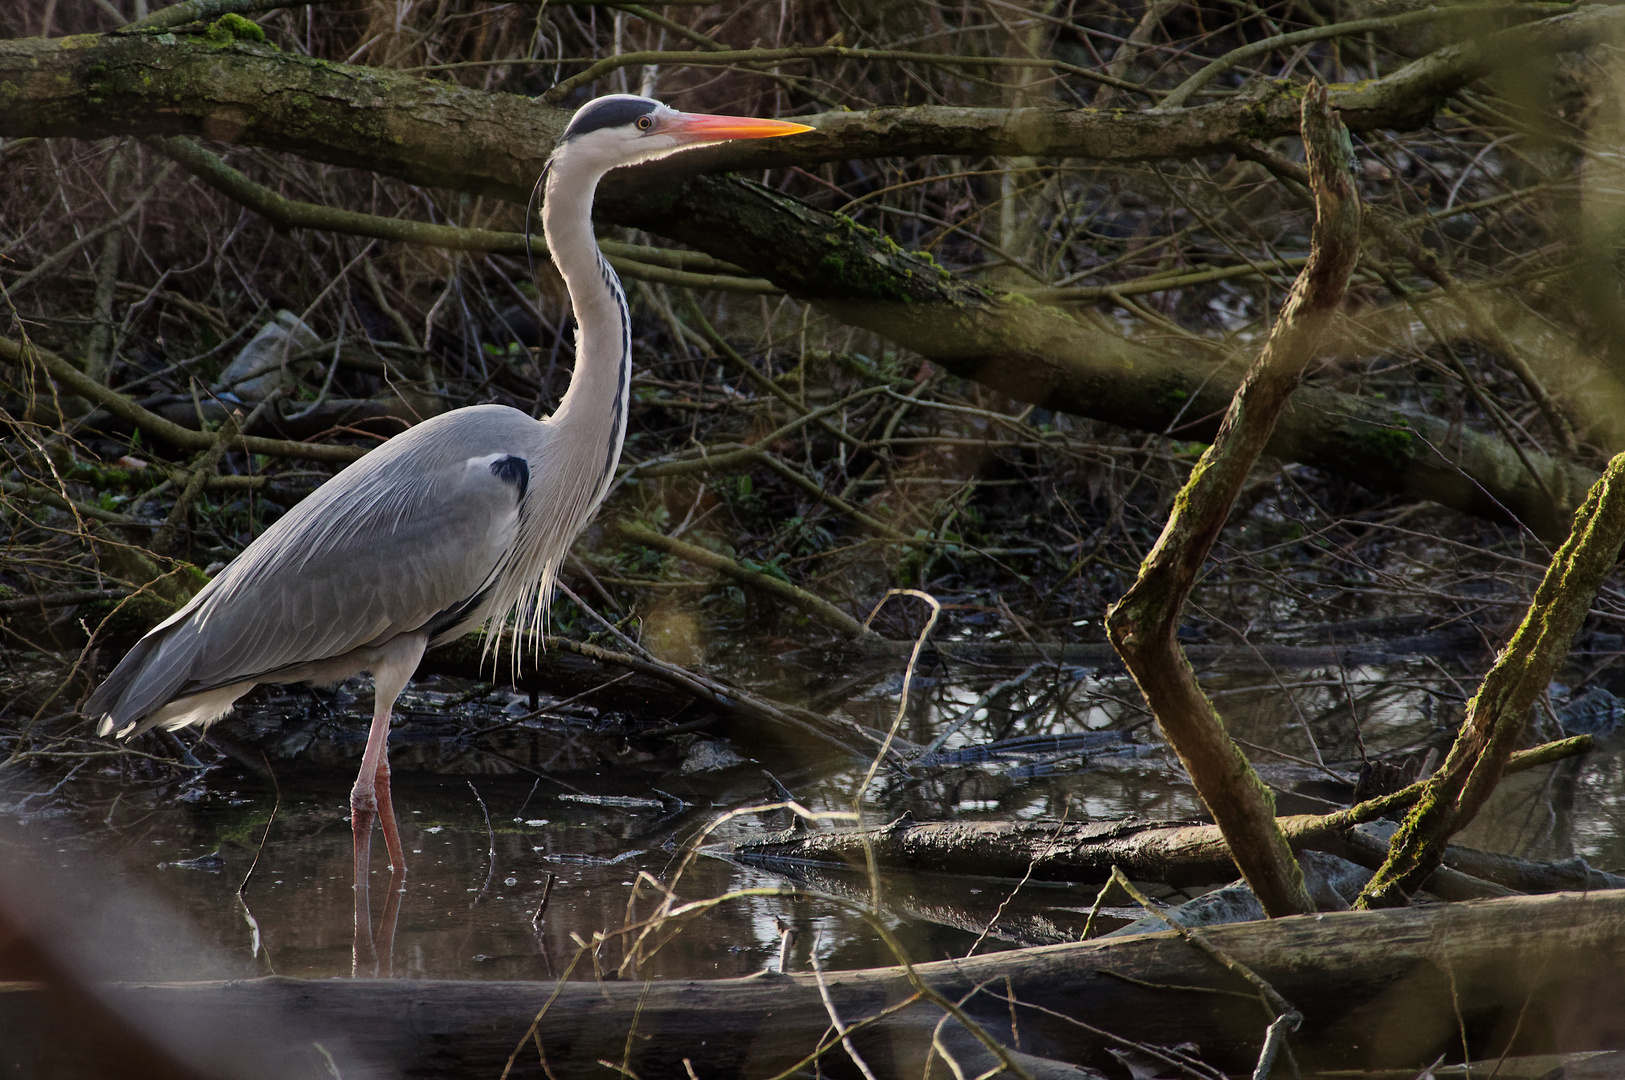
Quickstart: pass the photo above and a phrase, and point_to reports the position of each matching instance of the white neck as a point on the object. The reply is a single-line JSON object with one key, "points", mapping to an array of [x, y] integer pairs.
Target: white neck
{"points": [[594, 408]]}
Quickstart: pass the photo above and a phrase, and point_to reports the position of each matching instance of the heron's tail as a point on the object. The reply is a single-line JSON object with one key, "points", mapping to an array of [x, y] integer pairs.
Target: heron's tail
{"points": [[142, 691], [107, 704]]}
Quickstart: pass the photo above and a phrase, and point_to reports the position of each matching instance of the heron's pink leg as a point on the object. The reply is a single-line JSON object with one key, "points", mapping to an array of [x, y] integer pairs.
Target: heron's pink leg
{"points": [[383, 945], [370, 800], [363, 954], [364, 805], [386, 817], [370, 796]]}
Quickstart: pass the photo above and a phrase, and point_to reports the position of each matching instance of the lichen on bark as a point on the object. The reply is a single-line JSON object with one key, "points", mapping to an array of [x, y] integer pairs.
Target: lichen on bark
{"points": [[1497, 714]]}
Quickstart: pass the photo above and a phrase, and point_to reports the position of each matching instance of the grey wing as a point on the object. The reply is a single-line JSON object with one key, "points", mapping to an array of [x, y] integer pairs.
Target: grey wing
{"points": [[407, 544]]}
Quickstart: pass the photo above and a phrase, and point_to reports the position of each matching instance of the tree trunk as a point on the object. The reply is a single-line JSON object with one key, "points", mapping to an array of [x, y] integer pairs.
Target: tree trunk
{"points": [[1142, 625]]}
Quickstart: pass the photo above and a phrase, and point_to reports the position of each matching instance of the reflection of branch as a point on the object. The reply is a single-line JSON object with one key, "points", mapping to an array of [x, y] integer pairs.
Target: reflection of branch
{"points": [[841, 733], [301, 215]]}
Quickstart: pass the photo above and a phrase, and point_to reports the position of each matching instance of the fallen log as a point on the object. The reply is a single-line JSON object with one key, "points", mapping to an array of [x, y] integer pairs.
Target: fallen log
{"points": [[1178, 853], [1395, 989]]}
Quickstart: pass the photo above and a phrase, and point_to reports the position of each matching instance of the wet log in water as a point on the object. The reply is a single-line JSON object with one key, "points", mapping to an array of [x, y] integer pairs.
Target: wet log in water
{"points": [[1179, 853], [1378, 990]]}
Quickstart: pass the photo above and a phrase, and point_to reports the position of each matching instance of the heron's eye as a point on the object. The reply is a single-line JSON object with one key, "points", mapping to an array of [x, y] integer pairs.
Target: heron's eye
{"points": [[646, 123]]}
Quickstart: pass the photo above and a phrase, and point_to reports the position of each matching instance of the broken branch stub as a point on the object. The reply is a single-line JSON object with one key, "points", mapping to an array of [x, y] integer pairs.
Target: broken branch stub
{"points": [[1497, 714], [1142, 624]]}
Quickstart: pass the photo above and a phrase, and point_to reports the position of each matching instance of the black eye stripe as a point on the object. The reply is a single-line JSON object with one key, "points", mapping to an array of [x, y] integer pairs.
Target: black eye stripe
{"points": [[607, 113]]}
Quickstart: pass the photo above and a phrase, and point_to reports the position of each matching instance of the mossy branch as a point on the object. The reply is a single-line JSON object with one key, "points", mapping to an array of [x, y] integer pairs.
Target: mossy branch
{"points": [[290, 214], [1142, 624], [814, 605], [1497, 714]]}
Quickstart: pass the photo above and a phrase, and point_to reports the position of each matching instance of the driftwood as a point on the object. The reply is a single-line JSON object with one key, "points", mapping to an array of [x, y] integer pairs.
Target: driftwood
{"points": [[1378, 990]]}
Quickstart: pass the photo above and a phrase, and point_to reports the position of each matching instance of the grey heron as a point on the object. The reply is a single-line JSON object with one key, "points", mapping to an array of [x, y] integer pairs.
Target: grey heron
{"points": [[460, 521]]}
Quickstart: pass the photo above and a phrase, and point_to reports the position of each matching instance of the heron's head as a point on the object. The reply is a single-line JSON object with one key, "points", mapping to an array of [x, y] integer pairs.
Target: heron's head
{"points": [[623, 129]]}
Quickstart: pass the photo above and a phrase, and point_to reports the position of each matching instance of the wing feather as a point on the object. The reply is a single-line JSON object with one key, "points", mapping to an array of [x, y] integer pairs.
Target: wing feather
{"points": [[414, 528]]}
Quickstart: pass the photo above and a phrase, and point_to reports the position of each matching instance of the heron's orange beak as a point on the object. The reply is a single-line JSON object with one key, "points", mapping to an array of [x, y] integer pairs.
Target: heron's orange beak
{"points": [[699, 127]]}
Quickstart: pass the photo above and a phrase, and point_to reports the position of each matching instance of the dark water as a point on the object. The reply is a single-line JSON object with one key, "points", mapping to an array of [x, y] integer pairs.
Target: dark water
{"points": [[612, 818]]}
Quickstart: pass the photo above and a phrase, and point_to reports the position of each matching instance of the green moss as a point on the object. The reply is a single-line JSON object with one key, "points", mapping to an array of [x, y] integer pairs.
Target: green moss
{"points": [[231, 28], [877, 283], [245, 831], [861, 230], [1255, 120], [1394, 445], [163, 596], [931, 261], [106, 476]]}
